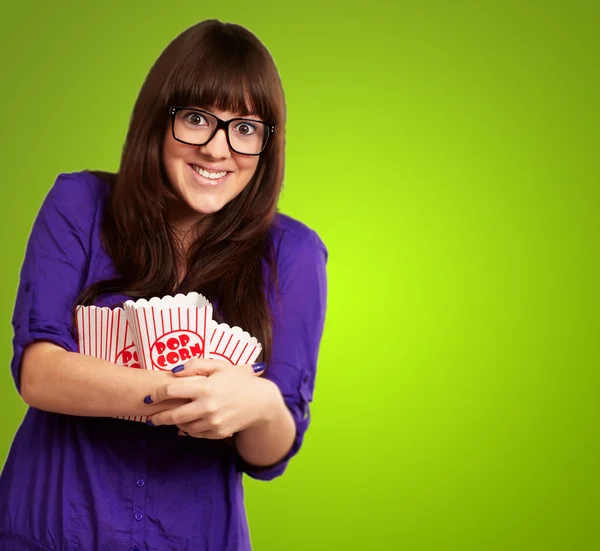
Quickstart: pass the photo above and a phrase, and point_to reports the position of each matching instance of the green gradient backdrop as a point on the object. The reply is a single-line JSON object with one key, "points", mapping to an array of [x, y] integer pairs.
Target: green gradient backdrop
{"points": [[446, 153]]}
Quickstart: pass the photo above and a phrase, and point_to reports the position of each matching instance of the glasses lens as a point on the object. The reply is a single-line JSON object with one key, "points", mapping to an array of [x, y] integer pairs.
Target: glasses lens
{"points": [[194, 127], [247, 136]]}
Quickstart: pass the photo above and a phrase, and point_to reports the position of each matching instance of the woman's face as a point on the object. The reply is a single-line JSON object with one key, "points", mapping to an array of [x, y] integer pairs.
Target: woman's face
{"points": [[189, 169]]}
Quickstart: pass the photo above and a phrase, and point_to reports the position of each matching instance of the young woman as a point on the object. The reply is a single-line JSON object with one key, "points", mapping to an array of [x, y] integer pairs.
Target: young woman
{"points": [[193, 207]]}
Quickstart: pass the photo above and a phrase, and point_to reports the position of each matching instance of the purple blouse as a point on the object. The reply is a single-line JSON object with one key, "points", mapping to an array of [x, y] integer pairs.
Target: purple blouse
{"points": [[90, 483]]}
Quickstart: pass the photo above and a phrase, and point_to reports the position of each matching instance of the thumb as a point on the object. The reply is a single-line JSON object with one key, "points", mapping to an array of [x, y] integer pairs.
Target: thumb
{"points": [[198, 366]]}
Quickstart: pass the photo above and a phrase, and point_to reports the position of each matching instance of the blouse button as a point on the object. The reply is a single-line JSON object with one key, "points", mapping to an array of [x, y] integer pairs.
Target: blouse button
{"points": [[306, 378], [143, 444], [140, 482], [139, 516]]}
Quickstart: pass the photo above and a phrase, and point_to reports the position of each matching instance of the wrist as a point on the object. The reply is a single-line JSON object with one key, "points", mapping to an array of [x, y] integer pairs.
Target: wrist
{"points": [[272, 402]]}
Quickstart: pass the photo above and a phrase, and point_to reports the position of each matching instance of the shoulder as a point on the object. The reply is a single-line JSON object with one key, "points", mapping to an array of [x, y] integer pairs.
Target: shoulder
{"points": [[79, 188], [75, 200], [290, 235], [301, 257]]}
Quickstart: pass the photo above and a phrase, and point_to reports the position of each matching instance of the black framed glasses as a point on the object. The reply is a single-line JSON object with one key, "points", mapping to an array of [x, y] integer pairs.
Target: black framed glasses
{"points": [[197, 127]]}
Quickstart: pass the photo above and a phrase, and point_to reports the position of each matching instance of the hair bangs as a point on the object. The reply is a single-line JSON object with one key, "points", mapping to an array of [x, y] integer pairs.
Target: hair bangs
{"points": [[229, 81]]}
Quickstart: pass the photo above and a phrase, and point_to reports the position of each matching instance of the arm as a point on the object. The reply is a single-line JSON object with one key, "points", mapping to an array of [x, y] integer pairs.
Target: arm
{"points": [[269, 415], [48, 371], [55, 380], [266, 447], [268, 441]]}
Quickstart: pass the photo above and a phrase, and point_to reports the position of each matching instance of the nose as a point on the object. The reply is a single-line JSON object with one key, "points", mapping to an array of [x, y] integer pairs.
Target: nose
{"points": [[217, 147]]}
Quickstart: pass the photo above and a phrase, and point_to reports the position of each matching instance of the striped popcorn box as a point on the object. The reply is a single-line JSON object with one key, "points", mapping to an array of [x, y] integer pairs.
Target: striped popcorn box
{"points": [[232, 344], [106, 334], [169, 331]]}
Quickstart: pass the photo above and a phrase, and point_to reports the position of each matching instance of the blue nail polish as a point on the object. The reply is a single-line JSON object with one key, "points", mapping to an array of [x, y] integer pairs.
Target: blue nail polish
{"points": [[148, 399], [150, 423], [258, 367], [177, 368]]}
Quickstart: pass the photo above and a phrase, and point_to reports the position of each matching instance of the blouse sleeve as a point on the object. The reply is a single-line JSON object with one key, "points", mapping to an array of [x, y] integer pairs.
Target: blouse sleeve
{"points": [[55, 267], [299, 317]]}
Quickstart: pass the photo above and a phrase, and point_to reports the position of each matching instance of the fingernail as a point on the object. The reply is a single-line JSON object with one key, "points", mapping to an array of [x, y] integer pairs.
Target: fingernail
{"points": [[150, 423], [148, 399], [182, 433], [257, 367], [177, 368]]}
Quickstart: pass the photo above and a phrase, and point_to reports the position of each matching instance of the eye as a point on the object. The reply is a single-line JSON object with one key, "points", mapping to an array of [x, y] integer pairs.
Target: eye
{"points": [[194, 118], [245, 128]]}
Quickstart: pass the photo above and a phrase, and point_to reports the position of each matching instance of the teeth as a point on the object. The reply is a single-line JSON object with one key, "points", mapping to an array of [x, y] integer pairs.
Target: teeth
{"points": [[210, 175]]}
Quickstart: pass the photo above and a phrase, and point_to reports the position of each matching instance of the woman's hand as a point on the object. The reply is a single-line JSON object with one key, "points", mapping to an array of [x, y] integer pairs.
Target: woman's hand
{"points": [[222, 398]]}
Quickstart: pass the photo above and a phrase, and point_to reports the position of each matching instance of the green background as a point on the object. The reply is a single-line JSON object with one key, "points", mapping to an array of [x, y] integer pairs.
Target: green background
{"points": [[447, 153]]}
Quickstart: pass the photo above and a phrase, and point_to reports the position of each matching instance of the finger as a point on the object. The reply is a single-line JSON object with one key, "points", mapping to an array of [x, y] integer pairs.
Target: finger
{"points": [[176, 390], [181, 415], [200, 366], [209, 435], [197, 425], [207, 424], [258, 368], [255, 369]]}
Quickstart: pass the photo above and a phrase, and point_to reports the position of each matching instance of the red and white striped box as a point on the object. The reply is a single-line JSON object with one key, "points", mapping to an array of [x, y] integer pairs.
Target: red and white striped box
{"points": [[232, 344], [171, 330], [106, 334], [161, 333]]}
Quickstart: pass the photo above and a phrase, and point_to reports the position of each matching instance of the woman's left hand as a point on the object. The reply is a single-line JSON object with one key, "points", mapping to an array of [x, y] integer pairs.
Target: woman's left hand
{"points": [[223, 399]]}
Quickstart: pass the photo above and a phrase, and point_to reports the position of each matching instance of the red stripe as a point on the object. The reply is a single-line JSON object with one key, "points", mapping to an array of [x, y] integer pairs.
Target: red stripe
{"points": [[135, 333], [109, 323], [89, 331], [118, 326], [154, 322], [251, 353], [137, 313], [79, 333], [99, 332], [204, 346], [105, 335], [113, 344], [242, 352], [100, 313], [230, 337], [233, 351], [109, 318], [222, 335], [96, 332], [147, 333]]}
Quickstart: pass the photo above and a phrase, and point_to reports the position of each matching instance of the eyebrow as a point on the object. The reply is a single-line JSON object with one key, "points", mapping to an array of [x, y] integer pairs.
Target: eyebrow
{"points": [[243, 116]]}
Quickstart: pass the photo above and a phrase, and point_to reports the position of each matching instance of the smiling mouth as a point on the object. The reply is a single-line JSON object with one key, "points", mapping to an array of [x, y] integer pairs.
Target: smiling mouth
{"points": [[211, 175], [208, 177]]}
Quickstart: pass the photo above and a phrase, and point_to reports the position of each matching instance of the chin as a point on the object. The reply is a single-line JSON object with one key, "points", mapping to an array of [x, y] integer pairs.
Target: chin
{"points": [[203, 207]]}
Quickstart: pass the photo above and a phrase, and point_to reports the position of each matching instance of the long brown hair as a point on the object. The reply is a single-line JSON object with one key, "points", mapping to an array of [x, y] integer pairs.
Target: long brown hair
{"points": [[220, 65]]}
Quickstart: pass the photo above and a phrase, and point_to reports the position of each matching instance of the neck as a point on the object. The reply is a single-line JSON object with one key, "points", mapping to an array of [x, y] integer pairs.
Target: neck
{"points": [[184, 221], [185, 225]]}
